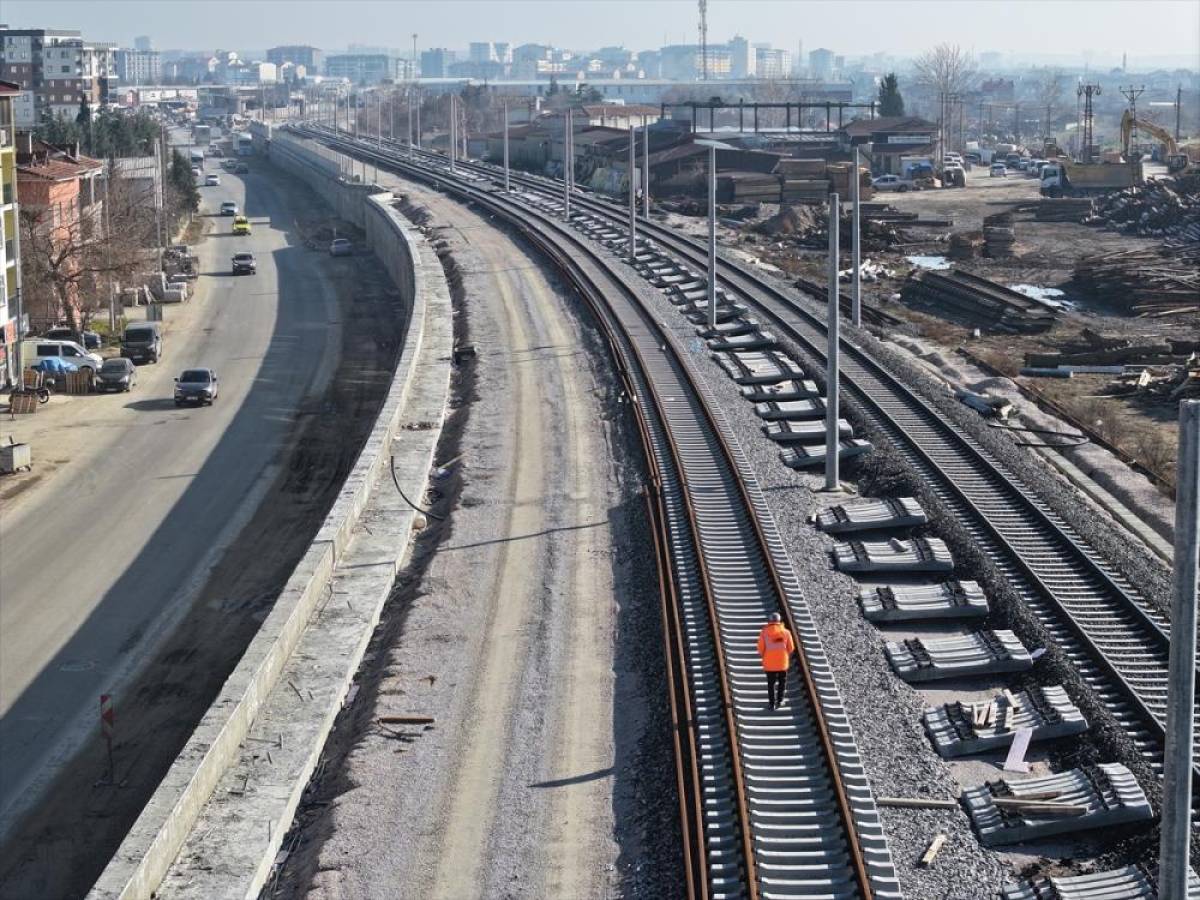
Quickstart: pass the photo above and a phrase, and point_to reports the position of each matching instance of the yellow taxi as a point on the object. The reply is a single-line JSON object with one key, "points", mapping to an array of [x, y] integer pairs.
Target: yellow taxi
{"points": [[241, 225]]}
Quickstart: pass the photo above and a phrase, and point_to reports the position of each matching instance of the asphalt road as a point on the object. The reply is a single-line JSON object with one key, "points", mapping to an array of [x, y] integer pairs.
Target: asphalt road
{"points": [[98, 564]]}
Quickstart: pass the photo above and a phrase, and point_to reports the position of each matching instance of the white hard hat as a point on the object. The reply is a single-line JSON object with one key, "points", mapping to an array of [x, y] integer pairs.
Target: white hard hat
{"points": [[775, 617]]}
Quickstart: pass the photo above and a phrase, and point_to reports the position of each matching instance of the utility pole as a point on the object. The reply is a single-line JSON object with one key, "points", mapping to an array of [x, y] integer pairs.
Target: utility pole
{"points": [[645, 171], [703, 39], [1181, 665], [832, 437], [453, 131], [632, 194], [1087, 91], [411, 94], [712, 236], [417, 92], [1131, 94], [856, 249], [1178, 106], [507, 187]]}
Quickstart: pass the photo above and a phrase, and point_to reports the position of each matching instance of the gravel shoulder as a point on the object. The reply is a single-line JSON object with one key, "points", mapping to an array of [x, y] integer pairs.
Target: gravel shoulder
{"points": [[521, 627]]}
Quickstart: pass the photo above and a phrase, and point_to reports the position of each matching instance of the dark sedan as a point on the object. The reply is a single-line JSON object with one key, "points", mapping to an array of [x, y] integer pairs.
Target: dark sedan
{"points": [[116, 374], [196, 386]]}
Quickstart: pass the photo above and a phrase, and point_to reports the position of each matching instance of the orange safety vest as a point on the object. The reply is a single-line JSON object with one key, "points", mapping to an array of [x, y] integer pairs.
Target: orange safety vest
{"points": [[775, 646]]}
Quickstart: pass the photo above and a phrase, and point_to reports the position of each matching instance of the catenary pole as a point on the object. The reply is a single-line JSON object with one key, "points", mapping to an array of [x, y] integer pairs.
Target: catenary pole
{"points": [[1175, 840], [832, 438], [645, 171], [856, 248], [453, 131], [632, 193], [567, 166], [507, 186], [712, 237]]}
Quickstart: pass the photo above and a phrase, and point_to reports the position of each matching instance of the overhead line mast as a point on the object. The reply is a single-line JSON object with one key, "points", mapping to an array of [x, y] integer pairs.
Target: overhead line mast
{"points": [[703, 39]]}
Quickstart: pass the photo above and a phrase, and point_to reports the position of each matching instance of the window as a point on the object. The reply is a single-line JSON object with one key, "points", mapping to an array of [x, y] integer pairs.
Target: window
{"points": [[47, 350], [66, 69]]}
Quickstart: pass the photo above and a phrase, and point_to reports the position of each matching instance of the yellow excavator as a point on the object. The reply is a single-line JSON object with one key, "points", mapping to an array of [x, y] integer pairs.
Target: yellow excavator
{"points": [[1176, 161]]}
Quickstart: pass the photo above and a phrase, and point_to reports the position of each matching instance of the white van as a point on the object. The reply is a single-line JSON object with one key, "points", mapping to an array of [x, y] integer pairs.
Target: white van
{"points": [[34, 350]]}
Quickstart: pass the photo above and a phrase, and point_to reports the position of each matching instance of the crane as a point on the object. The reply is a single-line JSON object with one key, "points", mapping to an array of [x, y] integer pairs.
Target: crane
{"points": [[1174, 159], [703, 39]]}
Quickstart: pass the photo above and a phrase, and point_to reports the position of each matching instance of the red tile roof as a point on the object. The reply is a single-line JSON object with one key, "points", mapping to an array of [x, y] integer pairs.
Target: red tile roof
{"points": [[57, 169]]}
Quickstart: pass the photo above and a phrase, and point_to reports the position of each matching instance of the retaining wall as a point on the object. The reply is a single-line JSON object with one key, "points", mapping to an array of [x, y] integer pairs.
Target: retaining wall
{"points": [[152, 845]]}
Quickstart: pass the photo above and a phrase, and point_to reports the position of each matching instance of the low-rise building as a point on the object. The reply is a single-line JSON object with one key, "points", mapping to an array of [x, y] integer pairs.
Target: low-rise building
{"points": [[60, 205], [886, 139]]}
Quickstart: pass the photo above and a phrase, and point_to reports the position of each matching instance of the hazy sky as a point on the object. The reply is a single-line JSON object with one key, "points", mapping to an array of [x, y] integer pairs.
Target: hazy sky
{"points": [[1142, 28]]}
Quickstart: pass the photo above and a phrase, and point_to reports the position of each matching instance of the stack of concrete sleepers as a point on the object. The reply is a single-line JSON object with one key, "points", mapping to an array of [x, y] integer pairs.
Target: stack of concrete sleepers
{"points": [[983, 652], [1128, 883], [1009, 812], [960, 729], [949, 599]]}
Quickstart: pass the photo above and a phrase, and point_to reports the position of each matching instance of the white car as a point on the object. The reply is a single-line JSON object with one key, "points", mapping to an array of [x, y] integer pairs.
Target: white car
{"points": [[213, 180], [229, 208], [892, 183], [999, 170], [35, 350]]}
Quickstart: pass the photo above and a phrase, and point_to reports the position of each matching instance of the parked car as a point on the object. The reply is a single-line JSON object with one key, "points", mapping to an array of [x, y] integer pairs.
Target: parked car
{"points": [[892, 183], [340, 247], [196, 386], [68, 351], [90, 339], [244, 264], [999, 170], [142, 342], [241, 225], [116, 374], [229, 208], [212, 180]]}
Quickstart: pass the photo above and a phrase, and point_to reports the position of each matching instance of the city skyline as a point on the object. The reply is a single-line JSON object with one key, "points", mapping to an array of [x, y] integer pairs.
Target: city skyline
{"points": [[1060, 36]]}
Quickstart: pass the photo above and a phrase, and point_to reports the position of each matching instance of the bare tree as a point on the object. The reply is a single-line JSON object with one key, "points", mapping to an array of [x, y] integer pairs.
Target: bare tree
{"points": [[1049, 95], [67, 253], [947, 69]]}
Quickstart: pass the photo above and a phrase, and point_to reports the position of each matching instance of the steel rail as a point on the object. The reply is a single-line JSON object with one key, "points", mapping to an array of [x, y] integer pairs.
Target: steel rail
{"points": [[1094, 629], [715, 445]]}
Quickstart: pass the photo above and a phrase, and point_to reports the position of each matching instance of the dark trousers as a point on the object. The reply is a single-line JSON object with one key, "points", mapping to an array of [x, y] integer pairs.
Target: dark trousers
{"points": [[776, 681]]}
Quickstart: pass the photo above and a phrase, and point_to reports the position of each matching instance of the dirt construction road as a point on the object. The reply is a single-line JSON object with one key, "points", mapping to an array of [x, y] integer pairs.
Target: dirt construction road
{"points": [[525, 636]]}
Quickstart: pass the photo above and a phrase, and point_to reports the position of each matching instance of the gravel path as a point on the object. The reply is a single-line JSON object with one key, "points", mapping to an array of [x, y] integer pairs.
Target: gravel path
{"points": [[527, 629]]}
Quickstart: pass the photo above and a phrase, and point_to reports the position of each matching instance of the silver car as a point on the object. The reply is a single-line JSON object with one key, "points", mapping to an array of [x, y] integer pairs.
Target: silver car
{"points": [[196, 386]]}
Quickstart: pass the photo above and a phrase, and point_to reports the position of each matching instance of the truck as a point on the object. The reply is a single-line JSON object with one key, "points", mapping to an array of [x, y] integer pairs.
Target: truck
{"points": [[1063, 178], [244, 145], [201, 135]]}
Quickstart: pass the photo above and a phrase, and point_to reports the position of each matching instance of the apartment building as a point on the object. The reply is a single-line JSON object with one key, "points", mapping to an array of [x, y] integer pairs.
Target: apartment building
{"points": [[22, 62], [311, 58], [137, 67], [361, 68], [10, 245]]}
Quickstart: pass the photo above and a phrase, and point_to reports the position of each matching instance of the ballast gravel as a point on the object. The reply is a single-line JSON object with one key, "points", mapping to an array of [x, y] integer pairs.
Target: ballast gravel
{"points": [[885, 712]]}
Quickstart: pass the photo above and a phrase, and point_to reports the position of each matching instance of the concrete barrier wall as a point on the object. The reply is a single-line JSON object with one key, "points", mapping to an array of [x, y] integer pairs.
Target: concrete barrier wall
{"points": [[327, 171], [152, 844]]}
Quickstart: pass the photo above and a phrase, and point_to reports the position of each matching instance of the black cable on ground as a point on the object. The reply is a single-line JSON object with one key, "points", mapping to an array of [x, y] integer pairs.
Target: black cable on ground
{"points": [[1079, 439], [400, 490]]}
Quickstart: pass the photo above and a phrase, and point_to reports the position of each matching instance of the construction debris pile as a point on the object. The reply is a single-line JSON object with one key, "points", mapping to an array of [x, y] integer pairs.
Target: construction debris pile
{"points": [[1148, 283], [1154, 209], [1167, 371], [807, 225], [976, 302], [999, 236]]}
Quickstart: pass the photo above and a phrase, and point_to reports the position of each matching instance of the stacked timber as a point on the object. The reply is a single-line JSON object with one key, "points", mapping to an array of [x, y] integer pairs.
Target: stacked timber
{"points": [[1063, 209], [999, 236], [976, 302], [748, 187], [965, 244], [1150, 283], [1154, 209]]}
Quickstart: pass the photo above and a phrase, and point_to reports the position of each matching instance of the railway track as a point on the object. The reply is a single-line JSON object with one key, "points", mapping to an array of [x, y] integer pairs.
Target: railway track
{"points": [[774, 804], [1117, 643]]}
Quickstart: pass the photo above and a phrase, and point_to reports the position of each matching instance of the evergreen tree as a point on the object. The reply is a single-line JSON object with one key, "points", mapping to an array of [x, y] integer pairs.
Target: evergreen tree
{"points": [[890, 101]]}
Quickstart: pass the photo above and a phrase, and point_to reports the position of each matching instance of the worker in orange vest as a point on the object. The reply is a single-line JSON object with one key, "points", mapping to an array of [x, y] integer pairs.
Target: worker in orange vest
{"points": [[775, 646]]}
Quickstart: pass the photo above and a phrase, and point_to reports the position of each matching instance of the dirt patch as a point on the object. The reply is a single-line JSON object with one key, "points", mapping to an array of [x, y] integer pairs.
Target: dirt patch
{"points": [[64, 845]]}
